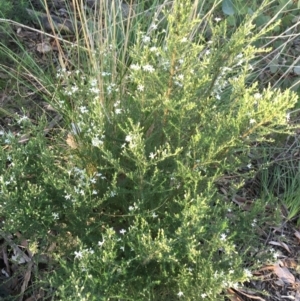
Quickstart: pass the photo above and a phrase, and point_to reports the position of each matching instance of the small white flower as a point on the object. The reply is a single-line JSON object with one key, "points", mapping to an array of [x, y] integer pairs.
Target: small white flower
{"points": [[74, 89], [223, 236], [252, 121], [253, 224], [117, 103], [112, 194], [135, 67], [55, 215], [94, 90], [240, 62], [93, 82], [122, 231], [177, 83], [218, 19], [180, 294], [288, 117], [180, 76], [154, 215], [94, 192], [128, 138], [152, 156], [118, 111], [153, 49], [100, 243], [78, 254], [131, 208], [83, 109], [97, 142], [23, 118], [148, 68], [122, 248], [247, 273], [276, 255], [93, 180], [140, 88], [203, 295], [249, 165], [183, 40], [257, 96], [67, 196], [146, 39]]}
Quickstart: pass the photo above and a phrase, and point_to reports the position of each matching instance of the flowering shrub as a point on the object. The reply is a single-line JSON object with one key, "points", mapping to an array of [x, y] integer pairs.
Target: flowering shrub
{"points": [[130, 198]]}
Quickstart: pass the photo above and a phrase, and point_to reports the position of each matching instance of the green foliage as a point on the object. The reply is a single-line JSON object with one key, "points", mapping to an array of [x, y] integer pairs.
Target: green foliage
{"points": [[14, 10], [280, 66], [281, 180], [130, 199], [10, 10]]}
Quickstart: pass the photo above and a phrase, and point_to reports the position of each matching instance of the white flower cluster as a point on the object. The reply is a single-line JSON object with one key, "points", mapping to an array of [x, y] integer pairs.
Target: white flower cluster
{"points": [[83, 184]]}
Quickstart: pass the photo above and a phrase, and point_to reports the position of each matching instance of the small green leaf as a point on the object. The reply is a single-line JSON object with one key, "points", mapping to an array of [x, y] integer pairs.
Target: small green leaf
{"points": [[231, 21], [227, 7], [297, 70], [295, 84], [274, 66], [250, 11], [261, 20]]}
